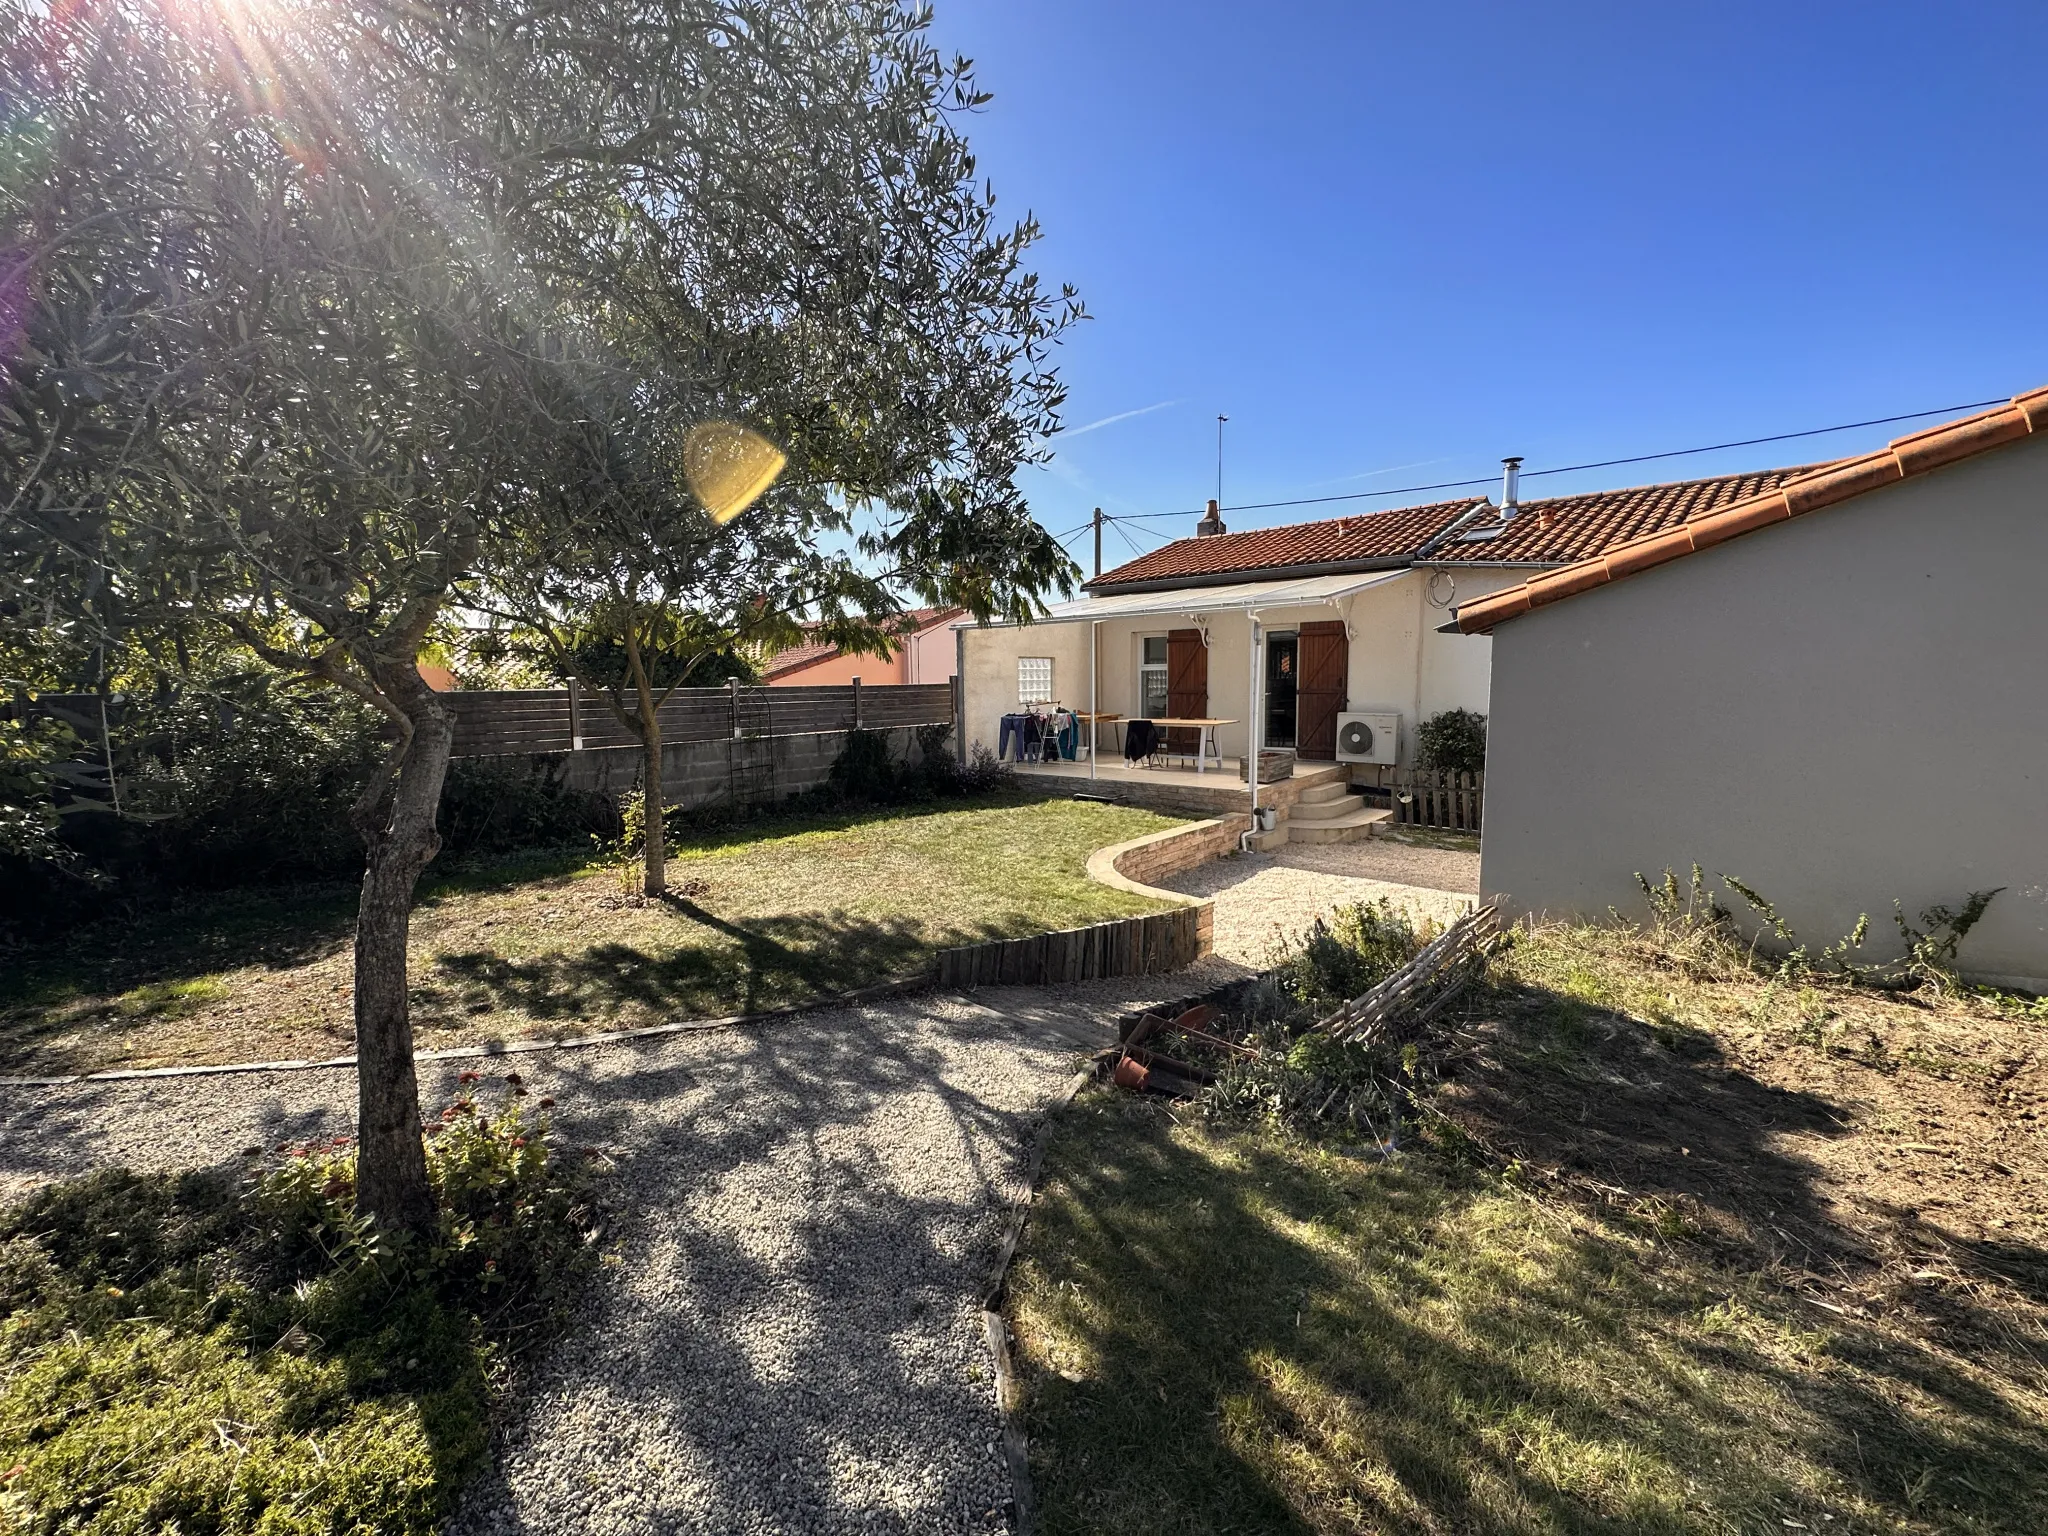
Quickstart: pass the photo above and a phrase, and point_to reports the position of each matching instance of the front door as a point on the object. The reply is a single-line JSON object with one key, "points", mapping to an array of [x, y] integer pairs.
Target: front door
{"points": [[1282, 676], [1325, 660]]}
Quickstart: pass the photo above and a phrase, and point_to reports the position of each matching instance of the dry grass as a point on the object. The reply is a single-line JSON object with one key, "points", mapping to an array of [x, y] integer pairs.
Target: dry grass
{"points": [[553, 944], [1686, 1252]]}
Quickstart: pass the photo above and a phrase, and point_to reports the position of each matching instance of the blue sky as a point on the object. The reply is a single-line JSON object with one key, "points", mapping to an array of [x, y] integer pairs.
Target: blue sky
{"points": [[1394, 242]]}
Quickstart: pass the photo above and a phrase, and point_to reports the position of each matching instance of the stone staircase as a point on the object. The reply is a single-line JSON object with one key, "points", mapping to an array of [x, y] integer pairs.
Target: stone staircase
{"points": [[1330, 813]]}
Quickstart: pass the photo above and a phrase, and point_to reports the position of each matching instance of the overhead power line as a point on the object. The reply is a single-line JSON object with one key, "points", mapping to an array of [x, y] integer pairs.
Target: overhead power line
{"points": [[1569, 469]]}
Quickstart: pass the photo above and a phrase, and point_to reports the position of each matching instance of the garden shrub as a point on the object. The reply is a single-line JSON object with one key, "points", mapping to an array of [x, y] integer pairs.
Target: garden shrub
{"points": [[1347, 953], [1452, 741], [284, 1366], [492, 805]]}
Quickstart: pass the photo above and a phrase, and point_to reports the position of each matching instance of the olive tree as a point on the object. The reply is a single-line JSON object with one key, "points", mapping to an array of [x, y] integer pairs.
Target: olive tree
{"points": [[316, 316]]}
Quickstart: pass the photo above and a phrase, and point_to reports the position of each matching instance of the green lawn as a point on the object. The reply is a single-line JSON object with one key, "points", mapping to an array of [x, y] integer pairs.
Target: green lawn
{"points": [[1719, 1273], [771, 913]]}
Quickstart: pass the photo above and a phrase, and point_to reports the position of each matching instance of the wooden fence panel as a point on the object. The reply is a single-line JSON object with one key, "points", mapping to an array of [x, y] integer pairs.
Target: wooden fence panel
{"points": [[537, 719], [1453, 801]]}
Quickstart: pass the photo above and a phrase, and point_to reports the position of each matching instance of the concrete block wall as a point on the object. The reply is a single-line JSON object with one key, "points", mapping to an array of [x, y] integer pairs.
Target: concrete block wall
{"points": [[747, 770]]}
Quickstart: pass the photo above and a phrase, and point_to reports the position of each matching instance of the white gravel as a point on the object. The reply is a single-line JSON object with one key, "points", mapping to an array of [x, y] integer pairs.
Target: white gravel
{"points": [[808, 1209], [1264, 899]]}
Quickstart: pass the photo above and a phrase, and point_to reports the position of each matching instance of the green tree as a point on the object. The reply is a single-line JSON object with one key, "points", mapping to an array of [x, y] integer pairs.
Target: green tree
{"points": [[315, 314]]}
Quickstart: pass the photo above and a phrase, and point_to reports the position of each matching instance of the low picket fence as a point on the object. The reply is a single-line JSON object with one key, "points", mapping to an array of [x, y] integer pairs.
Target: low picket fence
{"points": [[1453, 801]]}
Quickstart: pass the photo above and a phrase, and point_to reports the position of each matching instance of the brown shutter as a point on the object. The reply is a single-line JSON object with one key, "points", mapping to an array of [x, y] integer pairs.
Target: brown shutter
{"points": [[1324, 662], [1187, 684]]}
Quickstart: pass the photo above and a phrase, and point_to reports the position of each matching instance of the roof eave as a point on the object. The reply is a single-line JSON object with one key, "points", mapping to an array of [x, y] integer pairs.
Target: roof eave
{"points": [[1251, 573]]}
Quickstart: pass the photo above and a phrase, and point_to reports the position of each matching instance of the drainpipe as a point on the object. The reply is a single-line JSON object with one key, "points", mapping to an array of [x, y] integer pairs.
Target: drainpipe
{"points": [[1252, 724], [1094, 709], [960, 672]]}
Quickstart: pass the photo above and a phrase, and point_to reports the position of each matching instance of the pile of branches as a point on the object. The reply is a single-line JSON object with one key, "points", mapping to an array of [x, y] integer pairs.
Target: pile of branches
{"points": [[1293, 1050]]}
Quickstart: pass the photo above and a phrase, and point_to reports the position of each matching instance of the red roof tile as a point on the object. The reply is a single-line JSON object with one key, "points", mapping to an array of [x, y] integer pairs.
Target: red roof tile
{"points": [[1562, 529], [1330, 541], [1824, 486]]}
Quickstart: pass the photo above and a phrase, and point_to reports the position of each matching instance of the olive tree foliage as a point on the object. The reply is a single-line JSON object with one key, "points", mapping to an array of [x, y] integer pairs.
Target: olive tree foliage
{"points": [[318, 319]]}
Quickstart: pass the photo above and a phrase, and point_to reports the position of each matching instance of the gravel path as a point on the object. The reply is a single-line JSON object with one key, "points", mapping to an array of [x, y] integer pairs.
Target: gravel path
{"points": [[810, 1208], [1263, 898]]}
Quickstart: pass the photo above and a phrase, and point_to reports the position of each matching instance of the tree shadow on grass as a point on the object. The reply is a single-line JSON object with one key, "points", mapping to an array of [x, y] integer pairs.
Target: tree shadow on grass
{"points": [[719, 966], [1234, 1331]]}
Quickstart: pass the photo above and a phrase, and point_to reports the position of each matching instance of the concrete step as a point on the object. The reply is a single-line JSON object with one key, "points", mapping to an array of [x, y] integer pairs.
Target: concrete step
{"points": [[1317, 794], [1266, 842], [1323, 810], [1348, 828]]}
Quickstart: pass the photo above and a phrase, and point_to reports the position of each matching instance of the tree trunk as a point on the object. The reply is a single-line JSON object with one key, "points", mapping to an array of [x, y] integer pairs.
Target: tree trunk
{"points": [[654, 880], [399, 826], [656, 872]]}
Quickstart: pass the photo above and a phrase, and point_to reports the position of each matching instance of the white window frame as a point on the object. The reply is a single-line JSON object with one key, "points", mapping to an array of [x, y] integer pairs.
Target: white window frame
{"points": [[1144, 669], [1032, 671]]}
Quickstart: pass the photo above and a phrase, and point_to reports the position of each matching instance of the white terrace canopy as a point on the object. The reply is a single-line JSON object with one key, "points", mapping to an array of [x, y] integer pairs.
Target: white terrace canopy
{"points": [[1298, 592], [1247, 597]]}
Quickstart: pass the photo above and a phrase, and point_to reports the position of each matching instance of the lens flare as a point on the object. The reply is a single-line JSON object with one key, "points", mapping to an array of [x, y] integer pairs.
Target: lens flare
{"points": [[729, 466]]}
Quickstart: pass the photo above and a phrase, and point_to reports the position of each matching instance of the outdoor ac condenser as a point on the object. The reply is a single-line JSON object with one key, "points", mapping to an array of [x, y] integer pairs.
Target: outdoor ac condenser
{"points": [[1368, 738]]}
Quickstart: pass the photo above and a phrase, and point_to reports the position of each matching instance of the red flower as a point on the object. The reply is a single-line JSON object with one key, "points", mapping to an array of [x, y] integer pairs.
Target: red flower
{"points": [[514, 1079], [518, 1141], [469, 1077], [547, 1103]]}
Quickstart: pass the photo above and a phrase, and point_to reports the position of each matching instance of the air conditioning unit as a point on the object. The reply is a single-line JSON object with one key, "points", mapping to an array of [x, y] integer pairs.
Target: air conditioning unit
{"points": [[1368, 738]]}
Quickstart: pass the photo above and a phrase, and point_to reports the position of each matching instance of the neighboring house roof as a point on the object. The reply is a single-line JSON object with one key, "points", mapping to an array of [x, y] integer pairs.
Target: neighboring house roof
{"points": [[809, 653], [1825, 486], [1562, 529], [1355, 542]]}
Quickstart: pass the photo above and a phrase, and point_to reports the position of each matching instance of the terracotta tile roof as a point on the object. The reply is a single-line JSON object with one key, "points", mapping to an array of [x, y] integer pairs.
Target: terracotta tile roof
{"points": [[808, 654], [1330, 541], [1562, 529], [1824, 486]]}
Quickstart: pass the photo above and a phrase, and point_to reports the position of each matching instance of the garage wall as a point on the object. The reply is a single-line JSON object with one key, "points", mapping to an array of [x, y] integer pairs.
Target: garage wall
{"points": [[1841, 710]]}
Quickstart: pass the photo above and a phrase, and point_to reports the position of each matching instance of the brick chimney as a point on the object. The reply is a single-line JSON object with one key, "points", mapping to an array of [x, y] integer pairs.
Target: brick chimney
{"points": [[1211, 525]]}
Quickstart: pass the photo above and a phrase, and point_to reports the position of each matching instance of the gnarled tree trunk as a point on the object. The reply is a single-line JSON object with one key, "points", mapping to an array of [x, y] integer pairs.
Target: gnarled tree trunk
{"points": [[654, 876], [396, 817]]}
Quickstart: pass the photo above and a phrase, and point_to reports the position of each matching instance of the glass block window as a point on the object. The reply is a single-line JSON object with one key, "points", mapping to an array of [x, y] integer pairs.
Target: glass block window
{"points": [[1034, 679]]}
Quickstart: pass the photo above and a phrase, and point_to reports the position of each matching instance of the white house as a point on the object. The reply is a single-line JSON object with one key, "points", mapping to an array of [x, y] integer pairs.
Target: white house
{"points": [[1835, 690], [1284, 629]]}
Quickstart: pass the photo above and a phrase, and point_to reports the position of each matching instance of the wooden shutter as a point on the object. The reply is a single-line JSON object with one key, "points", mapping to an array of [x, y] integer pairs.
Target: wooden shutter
{"points": [[1324, 662], [1187, 685]]}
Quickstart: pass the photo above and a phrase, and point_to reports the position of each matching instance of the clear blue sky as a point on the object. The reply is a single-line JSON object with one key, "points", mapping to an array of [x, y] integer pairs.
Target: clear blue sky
{"points": [[1394, 242]]}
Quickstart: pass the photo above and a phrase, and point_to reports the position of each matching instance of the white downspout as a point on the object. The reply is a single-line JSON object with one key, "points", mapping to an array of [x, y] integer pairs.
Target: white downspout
{"points": [[1252, 724], [1094, 625]]}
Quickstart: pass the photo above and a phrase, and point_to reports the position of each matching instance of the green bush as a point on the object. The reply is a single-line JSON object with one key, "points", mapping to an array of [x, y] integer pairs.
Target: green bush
{"points": [[206, 1355], [1452, 741], [1346, 954]]}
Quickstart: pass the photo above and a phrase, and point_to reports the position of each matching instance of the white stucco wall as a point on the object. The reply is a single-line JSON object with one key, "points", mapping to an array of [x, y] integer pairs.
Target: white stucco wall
{"points": [[1457, 670], [1843, 709]]}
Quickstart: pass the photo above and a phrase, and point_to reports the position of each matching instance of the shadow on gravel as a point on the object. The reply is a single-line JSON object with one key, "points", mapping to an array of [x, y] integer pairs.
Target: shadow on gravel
{"points": [[790, 1340]]}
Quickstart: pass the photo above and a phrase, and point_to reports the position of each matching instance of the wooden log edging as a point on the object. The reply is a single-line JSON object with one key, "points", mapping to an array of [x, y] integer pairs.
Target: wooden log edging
{"points": [[1151, 944]]}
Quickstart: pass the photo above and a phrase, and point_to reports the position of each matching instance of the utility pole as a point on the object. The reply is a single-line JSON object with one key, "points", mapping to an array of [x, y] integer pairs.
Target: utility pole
{"points": [[1098, 541], [1219, 461]]}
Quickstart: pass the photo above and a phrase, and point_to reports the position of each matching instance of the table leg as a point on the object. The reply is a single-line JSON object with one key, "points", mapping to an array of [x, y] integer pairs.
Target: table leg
{"points": [[1202, 749]]}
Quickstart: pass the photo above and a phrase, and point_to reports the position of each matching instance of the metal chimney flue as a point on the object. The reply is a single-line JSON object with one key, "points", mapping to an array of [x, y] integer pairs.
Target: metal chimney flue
{"points": [[1510, 488]]}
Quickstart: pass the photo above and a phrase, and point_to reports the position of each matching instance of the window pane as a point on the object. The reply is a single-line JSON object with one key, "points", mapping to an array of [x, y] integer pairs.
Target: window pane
{"points": [[1155, 650], [1155, 692]]}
